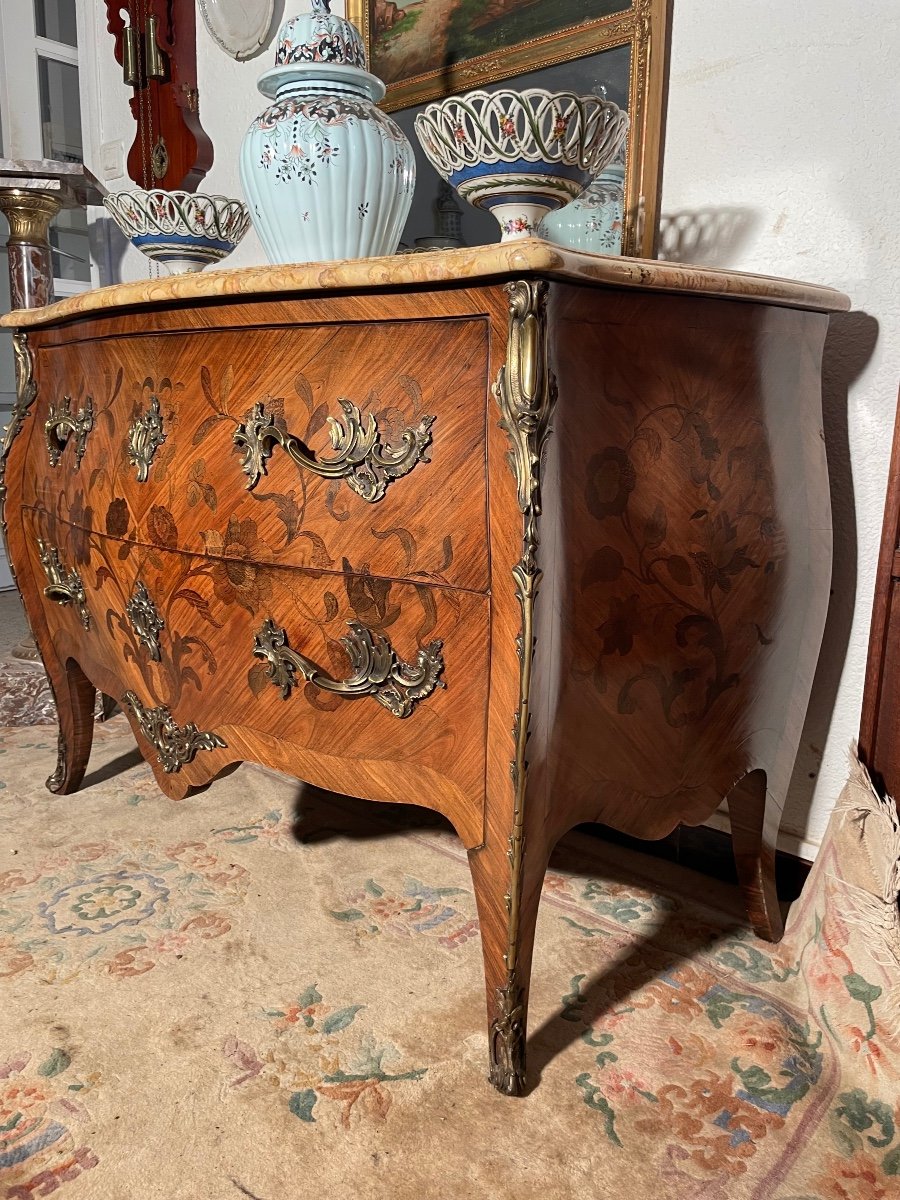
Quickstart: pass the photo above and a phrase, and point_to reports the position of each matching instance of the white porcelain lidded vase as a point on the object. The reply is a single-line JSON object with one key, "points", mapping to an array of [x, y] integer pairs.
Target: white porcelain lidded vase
{"points": [[594, 220], [326, 173]]}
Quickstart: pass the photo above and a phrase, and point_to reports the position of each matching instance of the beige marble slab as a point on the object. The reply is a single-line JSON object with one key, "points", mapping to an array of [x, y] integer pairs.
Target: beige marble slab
{"points": [[472, 265]]}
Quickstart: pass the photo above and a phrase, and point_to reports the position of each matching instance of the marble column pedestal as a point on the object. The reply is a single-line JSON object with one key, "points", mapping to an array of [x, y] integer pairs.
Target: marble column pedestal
{"points": [[32, 192]]}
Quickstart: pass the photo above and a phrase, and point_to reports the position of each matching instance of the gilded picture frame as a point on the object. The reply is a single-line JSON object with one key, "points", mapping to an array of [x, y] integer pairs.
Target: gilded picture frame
{"points": [[643, 26]]}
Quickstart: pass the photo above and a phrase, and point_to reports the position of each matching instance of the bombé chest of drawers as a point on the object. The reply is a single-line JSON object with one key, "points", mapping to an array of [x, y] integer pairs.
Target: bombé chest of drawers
{"points": [[525, 536]]}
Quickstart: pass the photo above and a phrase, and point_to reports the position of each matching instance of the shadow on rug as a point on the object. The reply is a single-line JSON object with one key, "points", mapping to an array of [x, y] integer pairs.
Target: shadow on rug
{"points": [[267, 991]]}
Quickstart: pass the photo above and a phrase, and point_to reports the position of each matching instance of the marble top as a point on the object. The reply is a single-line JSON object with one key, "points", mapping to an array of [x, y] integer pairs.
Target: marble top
{"points": [[75, 184], [473, 265]]}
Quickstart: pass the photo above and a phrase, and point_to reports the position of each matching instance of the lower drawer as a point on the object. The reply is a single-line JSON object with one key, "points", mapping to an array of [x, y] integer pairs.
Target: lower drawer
{"points": [[363, 685]]}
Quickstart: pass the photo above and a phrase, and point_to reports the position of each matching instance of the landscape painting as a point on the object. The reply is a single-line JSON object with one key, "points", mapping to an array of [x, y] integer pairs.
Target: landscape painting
{"points": [[427, 48]]}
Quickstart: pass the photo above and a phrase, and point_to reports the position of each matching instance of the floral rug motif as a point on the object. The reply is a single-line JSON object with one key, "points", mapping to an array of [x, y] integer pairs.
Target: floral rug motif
{"points": [[267, 991], [41, 1108]]}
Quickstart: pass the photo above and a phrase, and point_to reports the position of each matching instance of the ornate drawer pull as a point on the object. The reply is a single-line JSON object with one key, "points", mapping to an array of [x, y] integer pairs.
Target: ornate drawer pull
{"points": [[145, 619], [61, 425], [175, 744], [145, 437], [64, 587], [367, 464], [377, 671]]}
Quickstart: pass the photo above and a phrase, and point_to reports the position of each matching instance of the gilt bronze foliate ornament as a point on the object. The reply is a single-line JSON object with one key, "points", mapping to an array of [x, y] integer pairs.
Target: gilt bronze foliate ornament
{"points": [[175, 744], [26, 391], [145, 437], [145, 619], [526, 393]]}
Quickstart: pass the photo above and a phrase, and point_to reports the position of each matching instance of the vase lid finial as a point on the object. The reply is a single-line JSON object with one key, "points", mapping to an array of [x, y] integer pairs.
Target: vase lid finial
{"points": [[321, 8]]}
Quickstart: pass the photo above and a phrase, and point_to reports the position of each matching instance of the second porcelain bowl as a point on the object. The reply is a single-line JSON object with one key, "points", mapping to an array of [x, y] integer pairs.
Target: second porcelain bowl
{"points": [[184, 231], [520, 154]]}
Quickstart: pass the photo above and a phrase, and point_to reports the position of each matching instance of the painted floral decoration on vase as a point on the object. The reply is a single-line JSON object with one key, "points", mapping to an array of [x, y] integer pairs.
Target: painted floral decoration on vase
{"points": [[594, 220], [326, 173], [520, 154]]}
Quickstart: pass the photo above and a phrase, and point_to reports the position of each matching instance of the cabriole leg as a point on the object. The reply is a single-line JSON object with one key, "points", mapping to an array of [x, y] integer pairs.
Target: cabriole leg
{"points": [[75, 697], [507, 913], [754, 828]]}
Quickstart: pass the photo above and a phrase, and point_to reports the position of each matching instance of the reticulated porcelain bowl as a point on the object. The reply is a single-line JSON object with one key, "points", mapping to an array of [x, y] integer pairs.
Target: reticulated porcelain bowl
{"points": [[183, 231], [520, 154]]}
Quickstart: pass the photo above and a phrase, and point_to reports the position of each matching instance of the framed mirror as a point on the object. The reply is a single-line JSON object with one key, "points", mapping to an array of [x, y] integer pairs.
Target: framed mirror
{"points": [[427, 49]]}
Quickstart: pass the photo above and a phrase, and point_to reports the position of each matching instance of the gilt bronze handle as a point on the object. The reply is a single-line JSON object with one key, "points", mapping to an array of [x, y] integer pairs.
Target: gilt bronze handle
{"points": [[376, 670], [61, 425], [362, 458], [63, 586]]}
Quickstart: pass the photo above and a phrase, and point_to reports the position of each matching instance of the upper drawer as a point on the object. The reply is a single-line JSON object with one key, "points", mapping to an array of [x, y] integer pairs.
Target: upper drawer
{"points": [[358, 445]]}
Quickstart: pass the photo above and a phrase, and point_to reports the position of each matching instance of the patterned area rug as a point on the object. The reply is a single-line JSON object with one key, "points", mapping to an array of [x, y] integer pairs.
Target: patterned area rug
{"points": [[25, 696], [265, 991]]}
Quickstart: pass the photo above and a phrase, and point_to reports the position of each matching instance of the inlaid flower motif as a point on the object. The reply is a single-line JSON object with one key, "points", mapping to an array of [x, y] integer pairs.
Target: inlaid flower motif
{"points": [[611, 480], [718, 573], [237, 576], [369, 597], [118, 517], [162, 528], [618, 631]]}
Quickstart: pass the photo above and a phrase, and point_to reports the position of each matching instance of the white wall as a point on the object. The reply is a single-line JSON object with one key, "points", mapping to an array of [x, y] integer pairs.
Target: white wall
{"points": [[785, 117], [781, 153]]}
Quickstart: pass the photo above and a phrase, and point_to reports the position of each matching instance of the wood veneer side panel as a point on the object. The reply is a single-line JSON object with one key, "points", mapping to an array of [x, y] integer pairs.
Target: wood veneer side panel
{"points": [[696, 552], [72, 691]]}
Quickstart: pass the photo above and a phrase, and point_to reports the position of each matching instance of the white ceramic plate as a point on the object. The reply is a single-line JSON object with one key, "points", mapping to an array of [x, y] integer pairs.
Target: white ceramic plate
{"points": [[239, 27]]}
